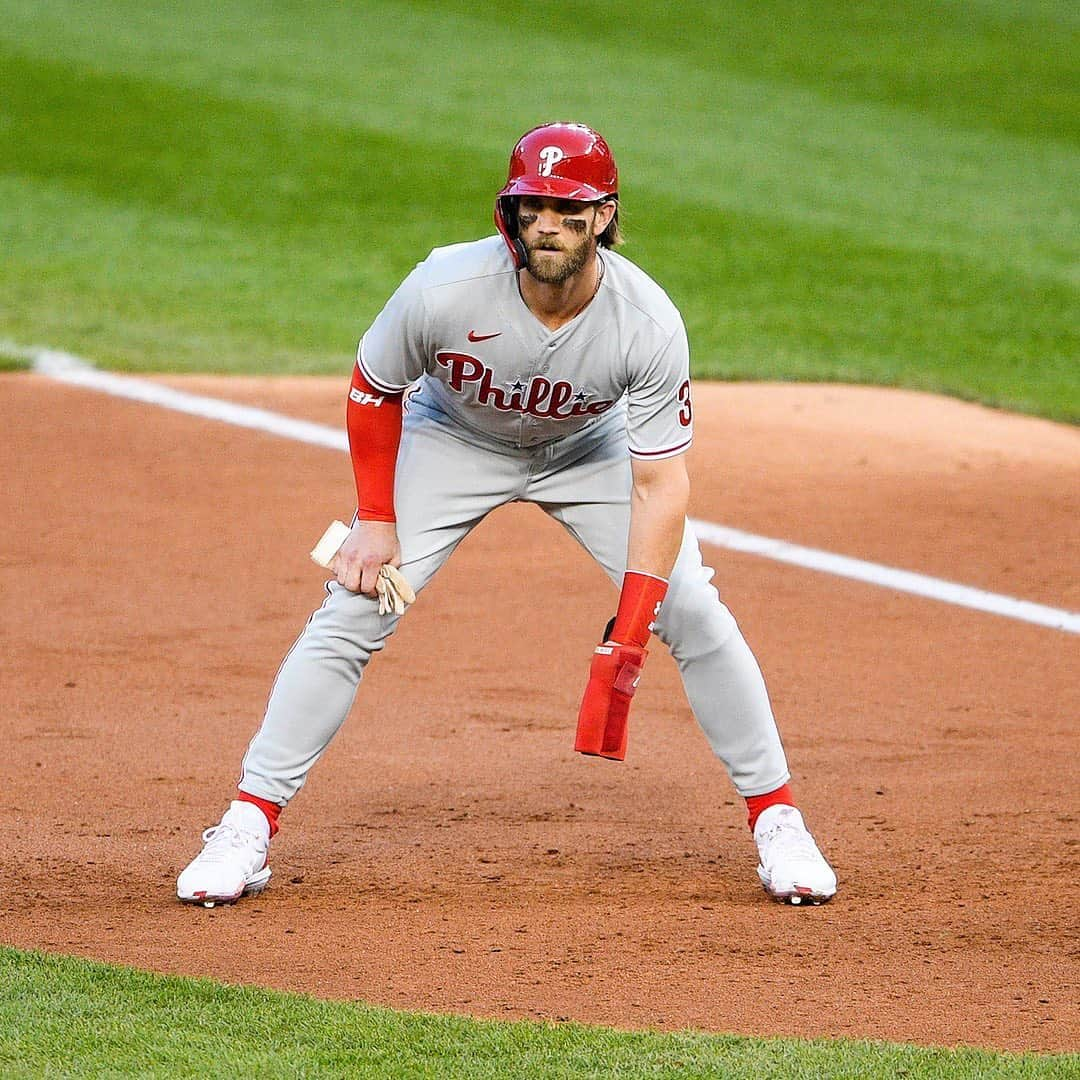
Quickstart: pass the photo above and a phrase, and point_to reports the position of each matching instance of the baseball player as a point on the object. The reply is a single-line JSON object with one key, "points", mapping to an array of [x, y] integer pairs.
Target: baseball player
{"points": [[542, 367]]}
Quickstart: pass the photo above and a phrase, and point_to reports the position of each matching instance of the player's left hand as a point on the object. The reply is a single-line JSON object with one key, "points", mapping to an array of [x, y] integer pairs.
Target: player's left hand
{"points": [[605, 708]]}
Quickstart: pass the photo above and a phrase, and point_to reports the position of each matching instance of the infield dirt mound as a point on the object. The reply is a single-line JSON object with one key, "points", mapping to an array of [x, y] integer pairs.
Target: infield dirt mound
{"points": [[451, 852]]}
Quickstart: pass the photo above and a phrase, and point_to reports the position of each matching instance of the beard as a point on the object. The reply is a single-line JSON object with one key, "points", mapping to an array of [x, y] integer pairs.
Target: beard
{"points": [[557, 269]]}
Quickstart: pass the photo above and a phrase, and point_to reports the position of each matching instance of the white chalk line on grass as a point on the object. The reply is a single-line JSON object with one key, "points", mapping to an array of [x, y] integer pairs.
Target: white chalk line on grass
{"points": [[71, 370]]}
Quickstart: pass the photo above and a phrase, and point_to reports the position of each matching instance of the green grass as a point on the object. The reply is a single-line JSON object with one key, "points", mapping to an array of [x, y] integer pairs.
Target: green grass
{"points": [[877, 192], [62, 1016], [9, 362]]}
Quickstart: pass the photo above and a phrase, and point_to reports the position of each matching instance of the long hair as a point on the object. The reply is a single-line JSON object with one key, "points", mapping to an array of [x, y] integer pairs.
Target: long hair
{"points": [[612, 236]]}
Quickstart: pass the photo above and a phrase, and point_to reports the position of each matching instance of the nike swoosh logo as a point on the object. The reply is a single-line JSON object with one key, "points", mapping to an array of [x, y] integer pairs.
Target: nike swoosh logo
{"points": [[474, 336]]}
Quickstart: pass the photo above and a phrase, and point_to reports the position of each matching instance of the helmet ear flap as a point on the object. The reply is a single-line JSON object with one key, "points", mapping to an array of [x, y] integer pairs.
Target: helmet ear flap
{"points": [[510, 213], [506, 219]]}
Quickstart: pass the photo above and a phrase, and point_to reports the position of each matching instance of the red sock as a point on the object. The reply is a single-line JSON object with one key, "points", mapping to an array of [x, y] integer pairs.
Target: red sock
{"points": [[271, 810], [756, 803]]}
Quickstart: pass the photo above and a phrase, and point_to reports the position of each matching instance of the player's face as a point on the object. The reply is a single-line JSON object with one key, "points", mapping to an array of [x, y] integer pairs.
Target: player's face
{"points": [[559, 236]]}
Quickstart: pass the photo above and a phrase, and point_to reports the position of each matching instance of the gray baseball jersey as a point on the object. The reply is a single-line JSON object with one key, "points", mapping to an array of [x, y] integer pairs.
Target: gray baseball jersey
{"points": [[458, 324]]}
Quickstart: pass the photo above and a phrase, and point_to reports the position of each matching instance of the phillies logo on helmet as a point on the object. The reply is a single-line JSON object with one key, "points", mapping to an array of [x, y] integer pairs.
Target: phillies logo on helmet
{"points": [[550, 156]]}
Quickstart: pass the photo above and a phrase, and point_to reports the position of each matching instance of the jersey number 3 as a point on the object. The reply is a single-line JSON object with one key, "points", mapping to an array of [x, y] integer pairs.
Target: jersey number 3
{"points": [[686, 413]]}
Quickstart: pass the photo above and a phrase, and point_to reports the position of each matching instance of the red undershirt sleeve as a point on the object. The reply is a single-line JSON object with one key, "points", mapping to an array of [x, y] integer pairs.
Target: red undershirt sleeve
{"points": [[373, 419]]}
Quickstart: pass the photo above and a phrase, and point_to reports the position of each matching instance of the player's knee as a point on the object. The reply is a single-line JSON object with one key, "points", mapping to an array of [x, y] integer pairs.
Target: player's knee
{"points": [[348, 627], [695, 624]]}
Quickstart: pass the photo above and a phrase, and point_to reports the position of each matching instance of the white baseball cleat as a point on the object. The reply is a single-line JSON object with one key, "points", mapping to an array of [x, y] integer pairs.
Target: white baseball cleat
{"points": [[233, 861], [792, 870]]}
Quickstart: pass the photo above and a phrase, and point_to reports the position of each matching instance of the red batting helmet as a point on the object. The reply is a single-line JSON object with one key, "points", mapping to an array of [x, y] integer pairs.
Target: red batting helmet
{"points": [[560, 161]]}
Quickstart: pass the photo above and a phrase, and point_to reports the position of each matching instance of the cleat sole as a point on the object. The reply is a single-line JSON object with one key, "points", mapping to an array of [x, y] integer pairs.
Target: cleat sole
{"points": [[252, 888], [798, 899]]}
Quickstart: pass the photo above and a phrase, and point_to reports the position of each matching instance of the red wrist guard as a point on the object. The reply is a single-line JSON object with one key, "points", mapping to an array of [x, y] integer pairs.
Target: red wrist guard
{"points": [[373, 419], [605, 708], [639, 603]]}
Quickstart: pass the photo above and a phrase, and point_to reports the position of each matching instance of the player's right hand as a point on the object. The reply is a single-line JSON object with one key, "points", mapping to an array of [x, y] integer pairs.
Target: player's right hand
{"points": [[369, 545]]}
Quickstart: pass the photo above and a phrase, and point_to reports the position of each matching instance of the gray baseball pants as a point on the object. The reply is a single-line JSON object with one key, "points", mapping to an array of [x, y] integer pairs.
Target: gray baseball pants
{"points": [[447, 480]]}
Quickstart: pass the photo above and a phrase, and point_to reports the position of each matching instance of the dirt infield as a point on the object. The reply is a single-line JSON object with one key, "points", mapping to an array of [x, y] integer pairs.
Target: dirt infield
{"points": [[451, 852]]}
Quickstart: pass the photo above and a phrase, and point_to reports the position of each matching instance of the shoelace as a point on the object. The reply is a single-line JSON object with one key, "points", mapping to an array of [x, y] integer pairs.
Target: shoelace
{"points": [[795, 841], [219, 839]]}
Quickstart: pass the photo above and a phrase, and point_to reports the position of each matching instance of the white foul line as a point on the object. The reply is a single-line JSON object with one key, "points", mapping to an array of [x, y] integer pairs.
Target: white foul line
{"points": [[70, 369], [889, 577]]}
